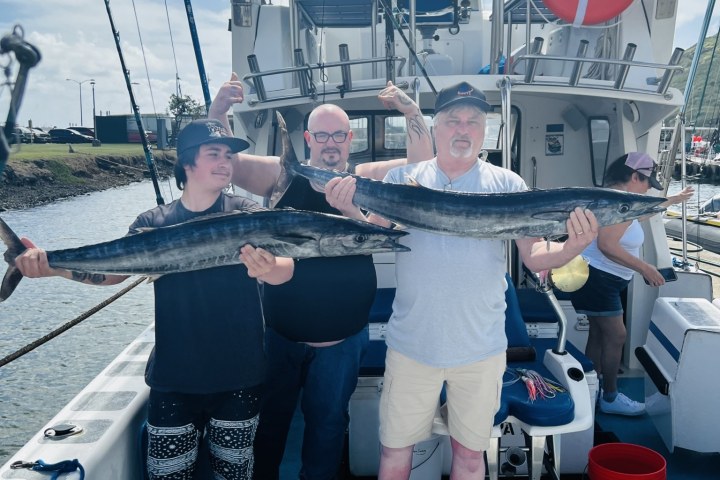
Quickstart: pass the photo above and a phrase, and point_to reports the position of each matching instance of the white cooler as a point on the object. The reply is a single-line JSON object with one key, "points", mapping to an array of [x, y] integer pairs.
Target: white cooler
{"points": [[682, 379]]}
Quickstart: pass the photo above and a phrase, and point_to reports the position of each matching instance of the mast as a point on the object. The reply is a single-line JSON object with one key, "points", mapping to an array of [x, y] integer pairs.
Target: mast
{"points": [[198, 55], [148, 156]]}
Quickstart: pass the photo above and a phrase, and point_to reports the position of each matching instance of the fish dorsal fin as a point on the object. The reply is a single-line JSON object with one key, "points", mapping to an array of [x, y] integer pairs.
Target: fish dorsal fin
{"points": [[248, 211]]}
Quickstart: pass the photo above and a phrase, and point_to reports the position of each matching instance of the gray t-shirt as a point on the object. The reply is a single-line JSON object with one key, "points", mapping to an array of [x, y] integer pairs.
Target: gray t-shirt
{"points": [[449, 307]]}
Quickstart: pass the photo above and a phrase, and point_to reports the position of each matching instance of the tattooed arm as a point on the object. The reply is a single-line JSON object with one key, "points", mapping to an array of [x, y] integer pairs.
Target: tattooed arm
{"points": [[33, 263], [419, 140]]}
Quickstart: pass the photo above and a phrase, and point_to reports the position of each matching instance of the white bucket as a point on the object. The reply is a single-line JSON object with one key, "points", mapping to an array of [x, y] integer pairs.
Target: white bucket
{"points": [[427, 459]]}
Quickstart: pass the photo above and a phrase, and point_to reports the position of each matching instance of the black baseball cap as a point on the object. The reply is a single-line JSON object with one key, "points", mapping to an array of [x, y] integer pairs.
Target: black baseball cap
{"points": [[201, 132], [462, 93]]}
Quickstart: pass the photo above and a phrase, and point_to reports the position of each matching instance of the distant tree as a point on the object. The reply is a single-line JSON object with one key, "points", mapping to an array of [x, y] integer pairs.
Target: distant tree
{"points": [[183, 108]]}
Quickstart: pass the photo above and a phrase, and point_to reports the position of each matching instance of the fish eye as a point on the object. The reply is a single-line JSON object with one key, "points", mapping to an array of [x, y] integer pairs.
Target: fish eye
{"points": [[360, 238], [624, 208]]}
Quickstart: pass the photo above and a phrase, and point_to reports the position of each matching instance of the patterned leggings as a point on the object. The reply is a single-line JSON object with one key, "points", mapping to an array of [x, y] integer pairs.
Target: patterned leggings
{"points": [[176, 423]]}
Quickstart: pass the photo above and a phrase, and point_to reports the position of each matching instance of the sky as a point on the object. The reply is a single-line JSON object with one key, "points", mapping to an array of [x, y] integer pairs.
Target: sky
{"points": [[76, 42]]}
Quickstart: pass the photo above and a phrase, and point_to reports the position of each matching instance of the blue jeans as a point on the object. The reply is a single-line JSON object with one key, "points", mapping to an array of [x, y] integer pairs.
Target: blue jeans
{"points": [[327, 377]]}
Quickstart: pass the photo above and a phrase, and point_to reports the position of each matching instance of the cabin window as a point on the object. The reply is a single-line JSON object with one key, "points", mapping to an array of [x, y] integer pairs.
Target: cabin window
{"points": [[493, 128], [359, 126], [599, 148], [395, 132]]}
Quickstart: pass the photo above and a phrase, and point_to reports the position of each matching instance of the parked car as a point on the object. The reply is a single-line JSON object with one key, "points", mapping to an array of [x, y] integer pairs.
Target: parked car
{"points": [[84, 130], [39, 135], [20, 135], [68, 135]]}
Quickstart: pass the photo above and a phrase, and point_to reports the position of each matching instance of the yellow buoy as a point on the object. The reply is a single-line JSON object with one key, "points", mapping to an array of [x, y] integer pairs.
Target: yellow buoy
{"points": [[571, 276]]}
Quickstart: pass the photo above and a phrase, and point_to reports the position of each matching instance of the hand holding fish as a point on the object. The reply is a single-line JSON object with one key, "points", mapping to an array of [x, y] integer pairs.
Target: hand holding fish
{"points": [[264, 266], [582, 229], [33, 262], [230, 93], [339, 193]]}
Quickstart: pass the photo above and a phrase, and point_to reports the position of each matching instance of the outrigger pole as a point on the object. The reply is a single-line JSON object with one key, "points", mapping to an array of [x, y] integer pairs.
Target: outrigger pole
{"points": [[198, 55], [679, 133], [143, 138]]}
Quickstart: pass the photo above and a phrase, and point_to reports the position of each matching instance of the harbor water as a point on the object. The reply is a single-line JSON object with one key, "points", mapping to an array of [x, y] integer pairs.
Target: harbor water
{"points": [[35, 386]]}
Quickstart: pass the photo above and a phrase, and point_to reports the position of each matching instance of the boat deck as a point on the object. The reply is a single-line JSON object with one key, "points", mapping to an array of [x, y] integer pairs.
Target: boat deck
{"points": [[682, 464]]}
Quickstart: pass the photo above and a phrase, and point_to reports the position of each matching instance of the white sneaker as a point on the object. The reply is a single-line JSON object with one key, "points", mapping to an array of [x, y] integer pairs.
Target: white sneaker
{"points": [[622, 405]]}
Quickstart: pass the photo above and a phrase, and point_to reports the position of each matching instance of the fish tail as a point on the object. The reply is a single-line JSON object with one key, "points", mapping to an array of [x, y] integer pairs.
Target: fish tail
{"points": [[288, 159], [14, 248], [288, 164]]}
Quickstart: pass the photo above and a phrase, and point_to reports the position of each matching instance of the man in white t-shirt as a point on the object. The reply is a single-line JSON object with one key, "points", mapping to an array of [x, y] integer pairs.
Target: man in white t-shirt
{"points": [[447, 326]]}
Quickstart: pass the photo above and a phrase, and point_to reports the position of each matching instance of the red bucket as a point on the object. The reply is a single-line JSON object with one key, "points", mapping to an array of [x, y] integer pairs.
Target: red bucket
{"points": [[625, 461]]}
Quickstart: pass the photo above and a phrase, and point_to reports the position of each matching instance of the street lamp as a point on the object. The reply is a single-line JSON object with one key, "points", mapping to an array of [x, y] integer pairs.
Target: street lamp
{"points": [[92, 82], [79, 82]]}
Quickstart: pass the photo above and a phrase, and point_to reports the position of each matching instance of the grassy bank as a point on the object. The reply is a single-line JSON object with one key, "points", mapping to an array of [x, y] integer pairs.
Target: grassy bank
{"points": [[40, 174], [50, 151]]}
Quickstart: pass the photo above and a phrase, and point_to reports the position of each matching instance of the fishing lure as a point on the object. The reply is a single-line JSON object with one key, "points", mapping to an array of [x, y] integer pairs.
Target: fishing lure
{"points": [[538, 386]]}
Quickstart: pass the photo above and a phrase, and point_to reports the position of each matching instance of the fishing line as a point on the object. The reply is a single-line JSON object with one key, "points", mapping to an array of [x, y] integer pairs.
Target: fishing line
{"points": [[142, 49], [32, 346], [172, 45]]}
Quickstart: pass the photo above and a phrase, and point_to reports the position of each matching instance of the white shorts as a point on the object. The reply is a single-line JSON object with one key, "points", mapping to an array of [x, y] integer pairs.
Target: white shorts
{"points": [[411, 393]]}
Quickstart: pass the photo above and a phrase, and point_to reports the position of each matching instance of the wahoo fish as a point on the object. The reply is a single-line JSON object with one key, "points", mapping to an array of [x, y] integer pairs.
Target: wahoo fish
{"points": [[213, 241], [531, 213]]}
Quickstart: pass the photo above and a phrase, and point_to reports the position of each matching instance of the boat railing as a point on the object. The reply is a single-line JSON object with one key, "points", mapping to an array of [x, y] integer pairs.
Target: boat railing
{"points": [[666, 166], [304, 75], [574, 80]]}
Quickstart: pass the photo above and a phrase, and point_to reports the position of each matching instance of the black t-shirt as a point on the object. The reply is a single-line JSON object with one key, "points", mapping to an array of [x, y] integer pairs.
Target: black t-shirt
{"points": [[328, 298], [208, 323]]}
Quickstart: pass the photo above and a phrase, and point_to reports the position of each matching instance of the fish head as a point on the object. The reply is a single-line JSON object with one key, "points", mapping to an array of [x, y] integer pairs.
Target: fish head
{"points": [[361, 239], [622, 207]]}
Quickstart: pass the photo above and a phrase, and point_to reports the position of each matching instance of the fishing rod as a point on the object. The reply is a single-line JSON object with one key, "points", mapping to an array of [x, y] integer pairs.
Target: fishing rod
{"points": [[411, 49], [136, 110], [28, 56], [198, 55]]}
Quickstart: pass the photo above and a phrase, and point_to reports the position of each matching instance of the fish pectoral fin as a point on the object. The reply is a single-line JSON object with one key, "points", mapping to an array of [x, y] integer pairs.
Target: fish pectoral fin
{"points": [[410, 180], [555, 215], [151, 278]]}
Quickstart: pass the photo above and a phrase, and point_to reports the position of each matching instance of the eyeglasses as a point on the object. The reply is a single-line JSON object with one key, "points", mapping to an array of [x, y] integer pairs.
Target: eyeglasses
{"points": [[323, 137]]}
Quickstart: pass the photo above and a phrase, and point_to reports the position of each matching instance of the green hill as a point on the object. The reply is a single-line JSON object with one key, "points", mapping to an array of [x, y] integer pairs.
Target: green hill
{"points": [[703, 108]]}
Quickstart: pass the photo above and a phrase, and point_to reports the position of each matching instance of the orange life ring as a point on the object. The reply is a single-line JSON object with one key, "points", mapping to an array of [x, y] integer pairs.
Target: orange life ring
{"points": [[587, 12]]}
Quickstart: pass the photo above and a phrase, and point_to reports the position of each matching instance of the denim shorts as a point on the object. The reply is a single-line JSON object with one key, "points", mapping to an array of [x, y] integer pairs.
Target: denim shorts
{"points": [[600, 296]]}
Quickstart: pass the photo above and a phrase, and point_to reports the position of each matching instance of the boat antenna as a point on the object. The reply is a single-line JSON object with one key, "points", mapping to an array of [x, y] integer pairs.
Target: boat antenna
{"points": [[148, 155], [198, 54]]}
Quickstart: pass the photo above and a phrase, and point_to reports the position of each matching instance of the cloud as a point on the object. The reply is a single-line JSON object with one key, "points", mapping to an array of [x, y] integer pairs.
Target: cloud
{"points": [[76, 41], [689, 20]]}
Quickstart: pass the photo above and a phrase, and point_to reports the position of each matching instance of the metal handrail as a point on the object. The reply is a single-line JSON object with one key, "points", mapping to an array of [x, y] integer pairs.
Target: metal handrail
{"points": [[662, 88], [254, 79]]}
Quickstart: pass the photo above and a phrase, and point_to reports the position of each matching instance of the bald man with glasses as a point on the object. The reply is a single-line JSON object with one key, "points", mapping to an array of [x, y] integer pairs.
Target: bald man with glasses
{"points": [[316, 327]]}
